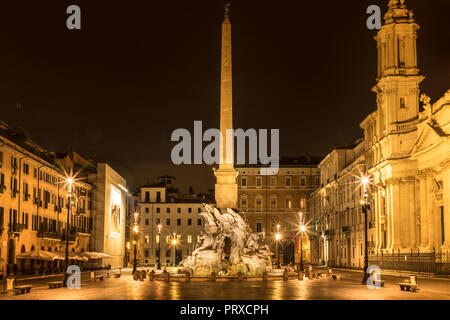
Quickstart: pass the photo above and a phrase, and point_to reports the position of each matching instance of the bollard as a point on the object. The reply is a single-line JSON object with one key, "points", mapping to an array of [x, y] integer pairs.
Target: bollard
{"points": [[285, 275], [265, 276], [107, 274], [213, 276], [300, 275], [151, 276], [187, 276]]}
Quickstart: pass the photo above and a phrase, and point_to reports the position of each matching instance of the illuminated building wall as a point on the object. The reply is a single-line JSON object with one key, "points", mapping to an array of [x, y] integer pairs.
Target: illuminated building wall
{"points": [[110, 202]]}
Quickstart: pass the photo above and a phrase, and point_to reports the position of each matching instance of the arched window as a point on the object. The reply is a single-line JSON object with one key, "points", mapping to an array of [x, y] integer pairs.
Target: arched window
{"points": [[50, 249], [22, 250], [32, 248], [42, 248]]}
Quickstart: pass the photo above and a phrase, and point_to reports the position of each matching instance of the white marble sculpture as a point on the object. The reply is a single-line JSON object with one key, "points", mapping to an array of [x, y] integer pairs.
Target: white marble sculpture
{"points": [[228, 246]]}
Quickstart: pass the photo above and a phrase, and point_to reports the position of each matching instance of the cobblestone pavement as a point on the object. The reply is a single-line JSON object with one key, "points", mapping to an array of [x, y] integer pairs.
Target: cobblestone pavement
{"points": [[347, 288]]}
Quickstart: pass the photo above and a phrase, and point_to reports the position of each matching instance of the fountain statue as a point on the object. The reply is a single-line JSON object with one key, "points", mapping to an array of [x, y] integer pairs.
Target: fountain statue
{"points": [[228, 247]]}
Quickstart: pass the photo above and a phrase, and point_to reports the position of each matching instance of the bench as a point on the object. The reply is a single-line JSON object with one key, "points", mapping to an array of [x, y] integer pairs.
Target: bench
{"points": [[22, 289], [100, 277], [55, 284], [411, 286]]}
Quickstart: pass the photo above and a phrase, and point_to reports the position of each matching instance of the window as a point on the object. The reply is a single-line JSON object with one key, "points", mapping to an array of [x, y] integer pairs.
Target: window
{"points": [[147, 239], [303, 181], [402, 103], [189, 222], [199, 210], [243, 201], [258, 227], [288, 181], [147, 222], [2, 182], [288, 203], [178, 222], [189, 239], [303, 203], [198, 239], [147, 210], [2, 216], [168, 210], [189, 210], [167, 239], [199, 222], [157, 238], [158, 196], [26, 168], [258, 201], [244, 182], [1, 159], [147, 196], [158, 210], [258, 181], [273, 181], [179, 210], [168, 222], [158, 221], [168, 253]]}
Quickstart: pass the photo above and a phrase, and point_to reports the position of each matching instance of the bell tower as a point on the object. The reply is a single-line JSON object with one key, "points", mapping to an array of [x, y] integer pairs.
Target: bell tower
{"points": [[399, 77]]}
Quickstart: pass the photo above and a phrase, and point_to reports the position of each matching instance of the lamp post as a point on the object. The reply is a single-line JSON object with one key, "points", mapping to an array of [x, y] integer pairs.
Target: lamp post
{"points": [[66, 258], [174, 245], [302, 231], [278, 238], [136, 230], [158, 265], [365, 207]]}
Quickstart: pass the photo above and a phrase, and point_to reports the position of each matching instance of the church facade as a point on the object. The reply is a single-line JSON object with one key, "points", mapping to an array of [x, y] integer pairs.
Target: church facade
{"points": [[406, 156]]}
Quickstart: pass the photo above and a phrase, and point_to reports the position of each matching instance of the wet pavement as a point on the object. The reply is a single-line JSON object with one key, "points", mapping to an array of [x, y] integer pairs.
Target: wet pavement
{"points": [[325, 288]]}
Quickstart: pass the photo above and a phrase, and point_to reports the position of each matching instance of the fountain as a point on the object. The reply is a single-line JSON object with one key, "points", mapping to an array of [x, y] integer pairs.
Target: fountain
{"points": [[228, 247]]}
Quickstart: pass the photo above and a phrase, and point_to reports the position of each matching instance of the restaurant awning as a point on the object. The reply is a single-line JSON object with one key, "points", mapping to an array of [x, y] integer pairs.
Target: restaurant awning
{"points": [[72, 256], [39, 255], [96, 255]]}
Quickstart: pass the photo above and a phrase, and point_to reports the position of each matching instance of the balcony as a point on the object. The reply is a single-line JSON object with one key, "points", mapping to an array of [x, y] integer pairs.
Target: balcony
{"points": [[54, 235], [16, 227]]}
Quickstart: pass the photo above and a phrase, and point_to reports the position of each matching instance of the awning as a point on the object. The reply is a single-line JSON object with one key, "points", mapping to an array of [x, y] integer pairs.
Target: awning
{"points": [[39, 255], [72, 256], [96, 255]]}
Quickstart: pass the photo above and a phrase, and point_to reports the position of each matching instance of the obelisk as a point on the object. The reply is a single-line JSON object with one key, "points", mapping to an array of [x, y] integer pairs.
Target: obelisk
{"points": [[226, 186]]}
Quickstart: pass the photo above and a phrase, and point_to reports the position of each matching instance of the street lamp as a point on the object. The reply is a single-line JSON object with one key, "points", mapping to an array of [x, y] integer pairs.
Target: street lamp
{"points": [[136, 230], [365, 207], [278, 238], [302, 231], [69, 181], [174, 245], [158, 265]]}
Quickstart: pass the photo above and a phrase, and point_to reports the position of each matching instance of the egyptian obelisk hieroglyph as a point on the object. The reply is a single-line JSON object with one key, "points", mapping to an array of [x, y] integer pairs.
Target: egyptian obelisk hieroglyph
{"points": [[226, 186]]}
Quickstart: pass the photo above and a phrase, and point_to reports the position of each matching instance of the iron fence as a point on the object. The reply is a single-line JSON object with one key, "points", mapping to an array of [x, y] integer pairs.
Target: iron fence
{"points": [[414, 261]]}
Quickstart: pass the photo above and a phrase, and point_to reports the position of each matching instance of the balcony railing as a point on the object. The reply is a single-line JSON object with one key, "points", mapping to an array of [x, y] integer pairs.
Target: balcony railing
{"points": [[16, 227], [49, 234]]}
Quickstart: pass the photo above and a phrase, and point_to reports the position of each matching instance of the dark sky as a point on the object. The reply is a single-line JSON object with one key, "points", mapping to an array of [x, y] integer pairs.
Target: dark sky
{"points": [[137, 70]]}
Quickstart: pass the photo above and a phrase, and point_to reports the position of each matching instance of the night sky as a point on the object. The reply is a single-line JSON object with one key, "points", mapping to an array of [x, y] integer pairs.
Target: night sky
{"points": [[137, 70]]}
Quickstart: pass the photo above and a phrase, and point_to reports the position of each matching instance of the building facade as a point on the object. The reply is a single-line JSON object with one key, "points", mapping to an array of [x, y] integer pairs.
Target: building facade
{"points": [[405, 154], [165, 215], [268, 201], [34, 205], [336, 213], [109, 205]]}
